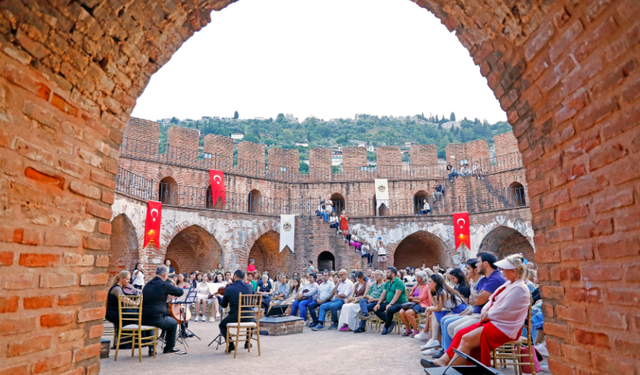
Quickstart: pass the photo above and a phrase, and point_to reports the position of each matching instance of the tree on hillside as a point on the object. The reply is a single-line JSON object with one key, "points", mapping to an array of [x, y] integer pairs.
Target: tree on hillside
{"points": [[236, 115], [452, 117], [174, 120], [280, 117], [342, 140]]}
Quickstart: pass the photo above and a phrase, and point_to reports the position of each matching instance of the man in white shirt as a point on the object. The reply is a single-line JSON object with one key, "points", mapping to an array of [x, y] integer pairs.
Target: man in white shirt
{"points": [[339, 293], [325, 290]]}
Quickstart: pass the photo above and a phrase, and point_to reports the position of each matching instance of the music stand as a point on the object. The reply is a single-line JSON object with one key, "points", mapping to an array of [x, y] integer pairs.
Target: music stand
{"points": [[186, 299]]}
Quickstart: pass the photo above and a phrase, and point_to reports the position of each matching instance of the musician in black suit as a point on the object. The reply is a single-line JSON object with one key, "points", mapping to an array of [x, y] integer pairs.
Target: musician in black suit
{"points": [[154, 306], [231, 298]]}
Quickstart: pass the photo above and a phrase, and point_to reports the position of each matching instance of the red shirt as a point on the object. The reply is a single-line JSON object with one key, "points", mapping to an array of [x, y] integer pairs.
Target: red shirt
{"points": [[251, 268]]}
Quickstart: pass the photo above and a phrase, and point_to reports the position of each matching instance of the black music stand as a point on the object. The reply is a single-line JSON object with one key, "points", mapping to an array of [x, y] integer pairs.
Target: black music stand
{"points": [[476, 368], [181, 335]]}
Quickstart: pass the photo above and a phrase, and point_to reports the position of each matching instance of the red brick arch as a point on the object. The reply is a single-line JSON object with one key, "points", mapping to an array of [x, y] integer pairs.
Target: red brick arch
{"points": [[418, 248], [252, 237], [566, 72]]}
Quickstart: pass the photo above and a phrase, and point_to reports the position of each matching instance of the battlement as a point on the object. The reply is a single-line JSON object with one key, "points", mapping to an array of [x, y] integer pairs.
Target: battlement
{"points": [[142, 137]]}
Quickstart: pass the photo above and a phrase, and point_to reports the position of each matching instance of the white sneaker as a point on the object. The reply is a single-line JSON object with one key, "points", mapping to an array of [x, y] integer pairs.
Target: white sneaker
{"points": [[432, 344], [421, 336], [430, 352], [212, 319], [196, 319], [542, 349]]}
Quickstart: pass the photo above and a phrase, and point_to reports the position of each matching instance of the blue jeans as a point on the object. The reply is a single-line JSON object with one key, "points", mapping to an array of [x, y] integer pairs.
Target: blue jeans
{"points": [[444, 324], [303, 308], [334, 306], [368, 307], [311, 306], [326, 217]]}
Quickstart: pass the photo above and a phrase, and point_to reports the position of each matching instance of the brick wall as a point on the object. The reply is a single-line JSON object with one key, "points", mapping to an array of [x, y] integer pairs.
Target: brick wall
{"points": [[320, 163], [565, 73], [148, 132], [422, 155], [354, 157], [470, 151], [505, 143], [281, 158], [388, 156], [221, 150], [251, 156], [183, 141]]}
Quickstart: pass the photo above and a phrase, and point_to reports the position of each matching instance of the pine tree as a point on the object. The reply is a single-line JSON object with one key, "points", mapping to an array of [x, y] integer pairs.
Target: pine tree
{"points": [[452, 117]]}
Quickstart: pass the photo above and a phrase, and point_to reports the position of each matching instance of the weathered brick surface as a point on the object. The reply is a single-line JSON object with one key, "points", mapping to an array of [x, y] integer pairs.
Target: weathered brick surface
{"points": [[565, 73]]}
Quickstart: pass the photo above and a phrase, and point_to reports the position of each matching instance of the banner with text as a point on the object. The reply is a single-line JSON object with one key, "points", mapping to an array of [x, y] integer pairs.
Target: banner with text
{"points": [[382, 194], [152, 224], [287, 231], [461, 229], [217, 186]]}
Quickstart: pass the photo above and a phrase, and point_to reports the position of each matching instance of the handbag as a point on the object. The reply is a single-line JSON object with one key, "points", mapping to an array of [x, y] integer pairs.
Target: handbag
{"points": [[408, 305]]}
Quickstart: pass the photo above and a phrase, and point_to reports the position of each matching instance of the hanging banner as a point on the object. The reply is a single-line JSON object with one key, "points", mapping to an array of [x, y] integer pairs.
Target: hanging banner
{"points": [[287, 231], [461, 229], [152, 224], [382, 193], [217, 186]]}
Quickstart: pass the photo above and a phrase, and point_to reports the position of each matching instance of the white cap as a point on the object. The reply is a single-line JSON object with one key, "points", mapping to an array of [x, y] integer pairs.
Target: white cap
{"points": [[505, 265]]}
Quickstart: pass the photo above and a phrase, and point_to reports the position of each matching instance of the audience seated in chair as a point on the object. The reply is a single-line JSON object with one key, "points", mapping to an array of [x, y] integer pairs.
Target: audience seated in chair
{"points": [[370, 299], [501, 319], [420, 295], [337, 297], [325, 290], [391, 300], [351, 308], [307, 296]]}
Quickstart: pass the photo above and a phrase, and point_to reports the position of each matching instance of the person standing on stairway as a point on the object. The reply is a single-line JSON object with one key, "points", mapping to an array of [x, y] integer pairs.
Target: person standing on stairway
{"points": [[344, 226]]}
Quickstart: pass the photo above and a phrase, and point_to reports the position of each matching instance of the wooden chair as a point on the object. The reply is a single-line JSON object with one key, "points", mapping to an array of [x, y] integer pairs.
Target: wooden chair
{"points": [[513, 351], [130, 309], [250, 307]]}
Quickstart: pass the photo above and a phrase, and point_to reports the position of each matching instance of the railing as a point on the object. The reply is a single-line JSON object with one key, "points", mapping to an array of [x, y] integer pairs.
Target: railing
{"points": [[201, 198], [143, 150]]}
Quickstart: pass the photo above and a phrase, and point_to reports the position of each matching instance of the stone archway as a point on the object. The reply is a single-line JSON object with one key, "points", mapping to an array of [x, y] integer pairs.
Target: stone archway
{"points": [[123, 249], [564, 71], [338, 203], [516, 195], [503, 241], [194, 248], [421, 248], [326, 261], [265, 253]]}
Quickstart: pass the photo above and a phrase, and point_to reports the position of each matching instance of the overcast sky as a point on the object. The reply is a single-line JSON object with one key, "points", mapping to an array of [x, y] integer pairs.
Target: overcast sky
{"points": [[330, 58]]}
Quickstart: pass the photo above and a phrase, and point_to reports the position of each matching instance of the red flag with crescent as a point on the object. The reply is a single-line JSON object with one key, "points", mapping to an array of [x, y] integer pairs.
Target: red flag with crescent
{"points": [[217, 185], [152, 225], [461, 229]]}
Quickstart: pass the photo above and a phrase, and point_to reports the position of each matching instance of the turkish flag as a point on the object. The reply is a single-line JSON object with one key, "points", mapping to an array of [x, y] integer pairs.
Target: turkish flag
{"points": [[461, 229], [217, 185], [152, 225]]}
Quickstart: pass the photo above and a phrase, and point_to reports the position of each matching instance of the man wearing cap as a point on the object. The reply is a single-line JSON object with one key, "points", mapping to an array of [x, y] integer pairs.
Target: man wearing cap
{"points": [[490, 280]]}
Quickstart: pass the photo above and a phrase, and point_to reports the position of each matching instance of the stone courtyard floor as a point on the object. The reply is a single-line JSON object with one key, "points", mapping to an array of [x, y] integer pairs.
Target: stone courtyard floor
{"points": [[309, 353]]}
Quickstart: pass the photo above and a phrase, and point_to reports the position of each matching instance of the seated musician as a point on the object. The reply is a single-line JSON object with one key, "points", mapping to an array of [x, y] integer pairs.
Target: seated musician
{"points": [[231, 299], [113, 313], [501, 319], [154, 307]]}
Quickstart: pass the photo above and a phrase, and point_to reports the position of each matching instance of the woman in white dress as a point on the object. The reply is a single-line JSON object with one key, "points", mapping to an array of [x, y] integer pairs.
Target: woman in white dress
{"points": [[351, 309]]}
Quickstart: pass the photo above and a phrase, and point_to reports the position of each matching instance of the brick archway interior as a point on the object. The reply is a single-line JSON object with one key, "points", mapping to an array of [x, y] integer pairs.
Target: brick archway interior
{"points": [[266, 255], [192, 249], [123, 249], [326, 261], [503, 241], [421, 248], [566, 72]]}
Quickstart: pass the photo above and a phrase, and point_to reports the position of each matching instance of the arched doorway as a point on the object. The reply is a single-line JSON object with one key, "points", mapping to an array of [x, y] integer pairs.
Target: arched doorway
{"points": [[418, 201], [326, 261], [167, 191], [123, 249], [194, 249], [265, 252], [503, 241], [516, 195], [338, 203], [421, 248], [254, 201], [383, 210], [208, 199]]}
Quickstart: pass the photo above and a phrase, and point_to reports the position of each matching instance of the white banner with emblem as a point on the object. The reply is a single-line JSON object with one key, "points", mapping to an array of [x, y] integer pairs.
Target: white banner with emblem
{"points": [[382, 194], [287, 231]]}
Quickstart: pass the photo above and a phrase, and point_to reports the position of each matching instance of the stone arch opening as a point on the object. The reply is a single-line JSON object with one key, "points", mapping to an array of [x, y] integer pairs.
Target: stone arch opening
{"points": [[504, 241], [419, 198], [338, 203], [516, 195], [208, 199], [193, 248], [326, 261], [421, 248], [265, 252], [168, 191], [123, 249], [254, 201]]}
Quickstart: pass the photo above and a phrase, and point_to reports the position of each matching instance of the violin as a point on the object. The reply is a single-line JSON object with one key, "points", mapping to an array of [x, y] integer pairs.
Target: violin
{"points": [[130, 290], [220, 292]]}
